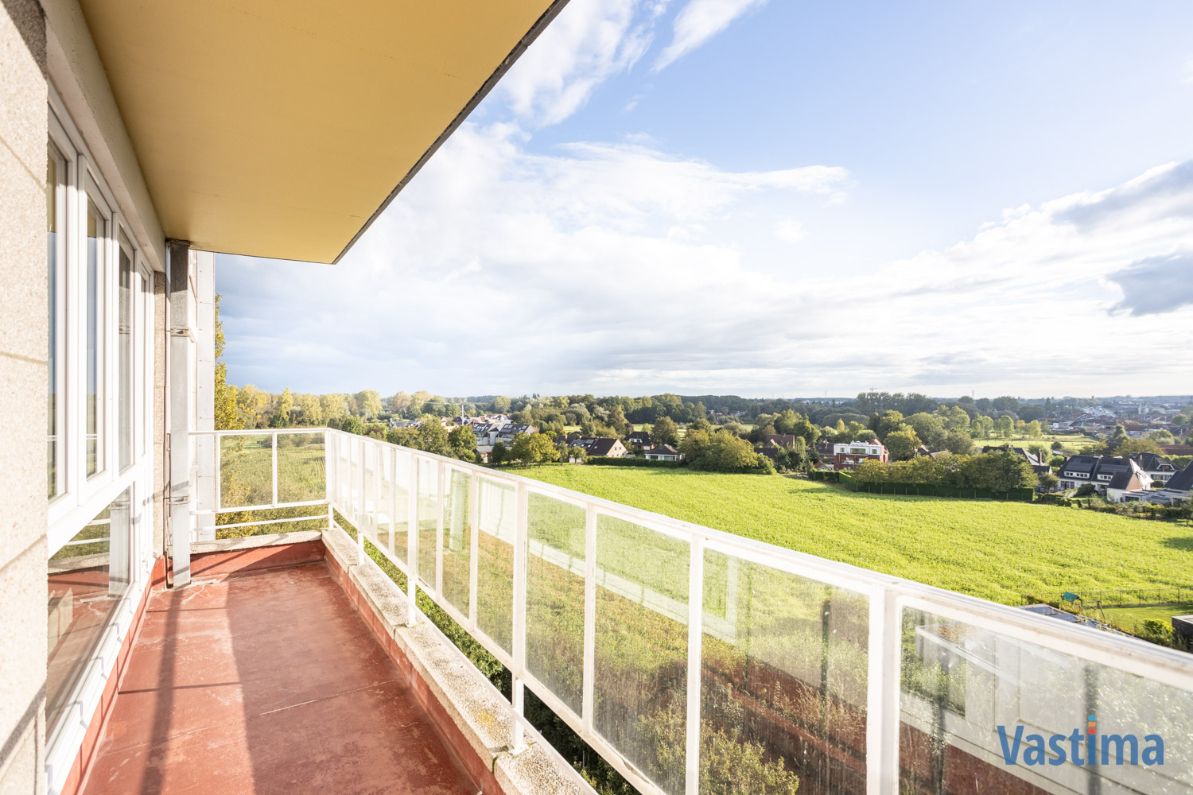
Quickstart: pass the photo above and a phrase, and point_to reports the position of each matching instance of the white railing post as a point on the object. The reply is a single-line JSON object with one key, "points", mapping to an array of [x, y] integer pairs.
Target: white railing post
{"points": [[275, 467], [412, 543], [519, 618], [590, 590], [330, 450], [882, 693], [695, 637]]}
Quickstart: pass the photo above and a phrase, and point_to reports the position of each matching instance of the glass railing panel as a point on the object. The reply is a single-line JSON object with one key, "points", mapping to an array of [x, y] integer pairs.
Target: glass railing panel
{"points": [[302, 472], [783, 684], [985, 711], [246, 470], [428, 520], [640, 691], [497, 529], [457, 539], [403, 475], [385, 497], [555, 597]]}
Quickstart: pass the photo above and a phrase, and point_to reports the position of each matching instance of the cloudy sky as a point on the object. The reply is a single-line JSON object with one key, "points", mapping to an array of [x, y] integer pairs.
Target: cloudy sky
{"points": [[783, 198]]}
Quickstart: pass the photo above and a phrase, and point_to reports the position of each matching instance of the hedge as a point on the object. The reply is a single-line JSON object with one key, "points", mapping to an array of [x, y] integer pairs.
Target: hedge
{"points": [[631, 462]]}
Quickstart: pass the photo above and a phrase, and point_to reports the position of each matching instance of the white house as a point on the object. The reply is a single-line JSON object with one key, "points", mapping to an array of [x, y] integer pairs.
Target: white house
{"points": [[663, 452]]}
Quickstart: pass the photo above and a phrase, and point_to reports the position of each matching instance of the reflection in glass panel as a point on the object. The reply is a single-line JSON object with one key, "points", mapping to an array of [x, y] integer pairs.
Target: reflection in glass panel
{"points": [[385, 498], [55, 186], [428, 520], [555, 597], [642, 647], [246, 470], [497, 525], [124, 355], [87, 577], [457, 540], [302, 473], [371, 488], [97, 232], [783, 689], [961, 683]]}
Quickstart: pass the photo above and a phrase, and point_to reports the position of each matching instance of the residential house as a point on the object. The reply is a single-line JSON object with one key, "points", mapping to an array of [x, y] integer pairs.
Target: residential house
{"points": [[1132, 479], [849, 454], [1099, 471], [1038, 466], [1177, 490], [639, 438], [1159, 468], [603, 446], [663, 452]]}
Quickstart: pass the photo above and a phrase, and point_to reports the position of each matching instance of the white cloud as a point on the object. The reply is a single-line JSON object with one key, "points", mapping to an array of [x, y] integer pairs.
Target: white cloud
{"points": [[789, 230], [590, 41], [608, 268], [698, 22]]}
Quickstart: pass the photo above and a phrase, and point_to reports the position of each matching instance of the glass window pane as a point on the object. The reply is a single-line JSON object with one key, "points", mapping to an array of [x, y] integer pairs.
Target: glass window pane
{"points": [[967, 690], [371, 488], [457, 540], [87, 577], [555, 597], [246, 470], [302, 474], [783, 687], [497, 524], [428, 520], [385, 499], [55, 185], [97, 232], [642, 647], [124, 355]]}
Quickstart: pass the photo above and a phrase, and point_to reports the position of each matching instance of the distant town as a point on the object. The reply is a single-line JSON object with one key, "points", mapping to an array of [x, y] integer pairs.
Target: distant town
{"points": [[1116, 450]]}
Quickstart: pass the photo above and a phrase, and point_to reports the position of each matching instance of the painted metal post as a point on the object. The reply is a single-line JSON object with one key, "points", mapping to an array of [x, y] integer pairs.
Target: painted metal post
{"points": [[330, 466], [590, 591], [181, 361], [519, 619], [695, 637], [882, 693]]}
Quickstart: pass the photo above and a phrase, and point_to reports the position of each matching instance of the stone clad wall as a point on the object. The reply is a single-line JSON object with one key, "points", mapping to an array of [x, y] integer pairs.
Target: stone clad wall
{"points": [[24, 342]]}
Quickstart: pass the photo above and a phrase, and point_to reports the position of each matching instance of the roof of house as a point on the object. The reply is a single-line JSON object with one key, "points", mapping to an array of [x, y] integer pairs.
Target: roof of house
{"points": [[1128, 478], [1151, 462], [780, 440], [601, 446], [1081, 463], [662, 449], [1182, 481]]}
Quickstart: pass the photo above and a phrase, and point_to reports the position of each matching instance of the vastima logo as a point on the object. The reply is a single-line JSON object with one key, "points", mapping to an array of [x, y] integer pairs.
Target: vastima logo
{"points": [[1091, 748]]}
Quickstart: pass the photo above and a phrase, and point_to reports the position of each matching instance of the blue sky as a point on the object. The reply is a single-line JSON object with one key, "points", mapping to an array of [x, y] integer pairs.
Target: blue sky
{"points": [[777, 198]]}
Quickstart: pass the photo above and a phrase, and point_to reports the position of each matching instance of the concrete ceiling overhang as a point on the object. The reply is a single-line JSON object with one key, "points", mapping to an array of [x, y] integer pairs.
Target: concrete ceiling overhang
{"points": [[281, 128]]}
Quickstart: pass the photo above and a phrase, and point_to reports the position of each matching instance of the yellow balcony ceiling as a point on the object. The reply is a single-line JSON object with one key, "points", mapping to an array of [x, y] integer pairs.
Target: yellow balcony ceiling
{"points": [[280, 128]]}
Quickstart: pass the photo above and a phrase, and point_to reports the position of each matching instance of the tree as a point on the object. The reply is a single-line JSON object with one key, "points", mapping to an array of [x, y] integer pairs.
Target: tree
{"points": [[534, 448], [886, 422], [310, 409], [1005, 425], [368, 403], [501, 404], [499, 454], [251, 406], [432, 436], [721, 451], [334, 407], [930, 428], [1034, 430], [400, 403], [226, 416], [999, 471], [462, 443], [285, 407], [982, 426], [902, 443], [665, 431], [958, 441]]}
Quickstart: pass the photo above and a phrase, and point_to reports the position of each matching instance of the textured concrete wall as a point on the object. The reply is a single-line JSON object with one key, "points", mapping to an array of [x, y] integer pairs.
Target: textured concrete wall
{"points": [[24, 340]]}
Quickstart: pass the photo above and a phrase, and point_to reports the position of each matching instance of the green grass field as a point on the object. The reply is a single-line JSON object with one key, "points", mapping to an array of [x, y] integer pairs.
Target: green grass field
{"points": [[1129, 619], [1007, 552]]}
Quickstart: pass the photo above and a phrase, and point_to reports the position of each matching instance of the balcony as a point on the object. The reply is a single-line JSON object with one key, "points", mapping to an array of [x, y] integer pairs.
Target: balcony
{"points": [[693, 660]]}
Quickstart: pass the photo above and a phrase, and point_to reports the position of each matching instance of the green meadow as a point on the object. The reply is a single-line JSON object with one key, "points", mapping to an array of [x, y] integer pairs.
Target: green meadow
{"points": [[1007, 552]]}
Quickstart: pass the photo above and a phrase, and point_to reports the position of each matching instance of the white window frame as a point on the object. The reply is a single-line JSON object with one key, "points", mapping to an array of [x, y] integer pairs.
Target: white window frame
{"points": [[62, 454]]}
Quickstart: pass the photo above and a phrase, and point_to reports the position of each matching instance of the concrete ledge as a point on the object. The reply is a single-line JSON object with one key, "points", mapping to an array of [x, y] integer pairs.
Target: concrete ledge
{"points": [[230, 556], [467, 709]]}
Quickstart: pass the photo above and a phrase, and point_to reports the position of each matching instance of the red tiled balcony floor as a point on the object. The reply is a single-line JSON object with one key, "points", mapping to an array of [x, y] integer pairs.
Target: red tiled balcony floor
{"points": [[266, 682]]}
